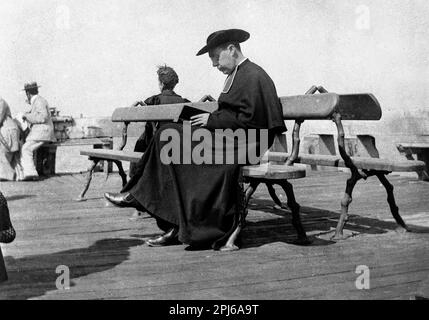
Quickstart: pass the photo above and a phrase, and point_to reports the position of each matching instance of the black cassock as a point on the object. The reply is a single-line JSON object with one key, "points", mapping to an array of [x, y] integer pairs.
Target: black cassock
{"points": [[205, 200], [142, 143]]}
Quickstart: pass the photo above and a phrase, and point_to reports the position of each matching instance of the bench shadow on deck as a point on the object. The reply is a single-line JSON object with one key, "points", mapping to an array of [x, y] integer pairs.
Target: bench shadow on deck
{"points": [[318, 223], [36, 279]]}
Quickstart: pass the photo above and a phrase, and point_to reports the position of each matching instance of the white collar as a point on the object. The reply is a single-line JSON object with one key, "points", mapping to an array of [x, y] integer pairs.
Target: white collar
{"points": [[241, 62], [231, 77], [33, 98]]}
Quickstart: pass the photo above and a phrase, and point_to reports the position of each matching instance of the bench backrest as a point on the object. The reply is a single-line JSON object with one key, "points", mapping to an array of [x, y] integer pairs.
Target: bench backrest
{"points": [[323, 106], [305, 107], [165, 112]]}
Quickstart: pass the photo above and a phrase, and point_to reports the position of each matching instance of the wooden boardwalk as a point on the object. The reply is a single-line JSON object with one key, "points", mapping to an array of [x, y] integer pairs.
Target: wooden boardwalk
{"points": [[105, 251]]}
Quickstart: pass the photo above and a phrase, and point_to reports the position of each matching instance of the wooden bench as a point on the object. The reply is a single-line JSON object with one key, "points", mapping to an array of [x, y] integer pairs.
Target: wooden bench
{"points": [[45, 157], [324, 106], [170, 112], [421, 149], [324, 144], [355, 107]]}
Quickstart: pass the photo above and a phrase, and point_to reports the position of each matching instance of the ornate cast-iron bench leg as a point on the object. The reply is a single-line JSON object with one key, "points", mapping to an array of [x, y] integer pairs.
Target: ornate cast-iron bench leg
{"points": [[230, 244], [295, 208], [355, 177], [121, 172], [345, 203], [272, 192], [88, 179], [292, 204], [391, 200]]}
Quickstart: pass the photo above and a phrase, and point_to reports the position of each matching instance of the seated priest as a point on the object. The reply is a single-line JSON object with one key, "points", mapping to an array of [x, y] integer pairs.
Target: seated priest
{"points": [[195, 203]]}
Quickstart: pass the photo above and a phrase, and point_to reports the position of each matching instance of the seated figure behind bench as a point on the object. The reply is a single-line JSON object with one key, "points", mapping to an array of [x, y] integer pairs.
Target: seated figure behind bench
{"points": [[41, 130], [168, 79], [201, 204]]}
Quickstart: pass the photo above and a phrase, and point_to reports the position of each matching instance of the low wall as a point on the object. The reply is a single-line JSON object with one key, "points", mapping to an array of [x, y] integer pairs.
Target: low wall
{"points": [[68, 158]]}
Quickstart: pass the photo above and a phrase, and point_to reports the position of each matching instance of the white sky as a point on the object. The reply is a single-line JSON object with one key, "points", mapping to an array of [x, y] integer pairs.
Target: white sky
{"points": [[92, 56]]}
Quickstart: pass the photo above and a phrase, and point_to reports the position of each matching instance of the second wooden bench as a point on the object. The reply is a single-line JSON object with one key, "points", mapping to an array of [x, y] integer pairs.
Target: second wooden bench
{"points": [[349, 108]]}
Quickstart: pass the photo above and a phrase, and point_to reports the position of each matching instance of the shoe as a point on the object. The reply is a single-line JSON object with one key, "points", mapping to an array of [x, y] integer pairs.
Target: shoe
{"points": [[167, 239], [123, 200], [29, 178]]}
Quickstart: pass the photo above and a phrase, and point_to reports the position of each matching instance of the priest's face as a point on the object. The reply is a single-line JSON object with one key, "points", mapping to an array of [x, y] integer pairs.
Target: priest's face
{"points": [[223, 59]]}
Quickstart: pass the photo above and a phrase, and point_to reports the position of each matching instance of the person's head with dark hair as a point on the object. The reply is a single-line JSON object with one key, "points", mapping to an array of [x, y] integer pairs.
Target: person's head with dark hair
{"points": [[168, 78], [227, 44], [31, 89], [33, 92]]}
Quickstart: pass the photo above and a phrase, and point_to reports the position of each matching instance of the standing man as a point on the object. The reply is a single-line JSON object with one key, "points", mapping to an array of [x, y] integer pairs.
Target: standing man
{"points": [[41, 130]]}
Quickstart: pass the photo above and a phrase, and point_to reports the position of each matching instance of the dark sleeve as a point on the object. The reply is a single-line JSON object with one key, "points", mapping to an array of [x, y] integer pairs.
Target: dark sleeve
{"points": [[154, 100], [273, 107], [224, 119], [263, 107]]}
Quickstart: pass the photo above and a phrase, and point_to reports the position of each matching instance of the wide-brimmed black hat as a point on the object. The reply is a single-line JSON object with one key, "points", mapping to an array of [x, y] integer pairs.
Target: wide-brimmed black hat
{"points": [[223, 36], [30, 86]]}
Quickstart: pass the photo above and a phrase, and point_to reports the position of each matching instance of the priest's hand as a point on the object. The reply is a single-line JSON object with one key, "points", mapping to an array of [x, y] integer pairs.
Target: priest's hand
{"points": [[138, 103], [207, 97], [200, 119]]}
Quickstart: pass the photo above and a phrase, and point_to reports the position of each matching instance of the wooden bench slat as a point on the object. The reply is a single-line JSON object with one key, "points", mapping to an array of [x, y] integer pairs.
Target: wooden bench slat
{"points": [[322, 106], [166, 112], [359, 107], [273, 171], [308, 159], [311, 107], [360, 162], [417, 145], [112, 154], [82, 142]]}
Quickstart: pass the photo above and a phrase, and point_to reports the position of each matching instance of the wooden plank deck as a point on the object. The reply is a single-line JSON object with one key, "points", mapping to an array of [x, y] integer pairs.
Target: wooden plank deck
{"points": [[105, 250]]}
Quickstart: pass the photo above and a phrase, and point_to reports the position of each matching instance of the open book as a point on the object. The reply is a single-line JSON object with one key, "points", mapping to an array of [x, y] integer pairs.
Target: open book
{"points": [[188, 112]]}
